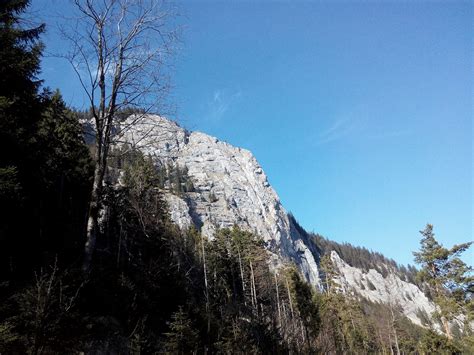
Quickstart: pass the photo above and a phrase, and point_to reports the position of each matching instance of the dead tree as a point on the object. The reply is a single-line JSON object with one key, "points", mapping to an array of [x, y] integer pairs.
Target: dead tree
{"points": [[119, 49]]}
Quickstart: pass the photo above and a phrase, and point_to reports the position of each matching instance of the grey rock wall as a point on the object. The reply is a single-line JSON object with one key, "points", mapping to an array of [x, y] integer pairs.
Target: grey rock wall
{"points": [[231, 188]]}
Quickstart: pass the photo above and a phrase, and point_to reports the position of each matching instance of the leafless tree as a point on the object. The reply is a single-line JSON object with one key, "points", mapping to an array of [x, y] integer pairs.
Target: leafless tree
{"points": [[119, 50]]}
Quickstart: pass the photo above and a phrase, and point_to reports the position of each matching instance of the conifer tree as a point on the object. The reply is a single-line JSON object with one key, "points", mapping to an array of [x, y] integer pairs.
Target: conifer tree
{"points": [[43, 159], [182, 337], [450, 280], [308, 304], [20, 52], [330, 273]]}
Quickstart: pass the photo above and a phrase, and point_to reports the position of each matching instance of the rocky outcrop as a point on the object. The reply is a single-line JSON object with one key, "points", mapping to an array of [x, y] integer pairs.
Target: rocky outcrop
{"points": [[230, 188], [390, 290]]}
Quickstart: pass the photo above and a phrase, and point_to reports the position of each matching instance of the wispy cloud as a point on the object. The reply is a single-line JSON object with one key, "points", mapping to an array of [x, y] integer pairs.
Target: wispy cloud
{"points": [[339, 129], [391, 134], [221, 101], [359, 122], [346, 126]]}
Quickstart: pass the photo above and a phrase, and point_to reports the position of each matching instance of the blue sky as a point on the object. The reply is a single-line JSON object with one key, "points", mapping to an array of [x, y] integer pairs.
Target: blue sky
{"points": [[359, 112]]}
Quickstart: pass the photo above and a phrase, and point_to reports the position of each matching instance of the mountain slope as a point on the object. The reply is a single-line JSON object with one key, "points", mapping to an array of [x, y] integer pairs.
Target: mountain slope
{"points": [[230, 188]]}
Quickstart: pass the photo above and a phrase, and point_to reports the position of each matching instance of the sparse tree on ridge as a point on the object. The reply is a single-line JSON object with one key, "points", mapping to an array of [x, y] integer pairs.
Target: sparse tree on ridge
{"points": [[118, 50]]}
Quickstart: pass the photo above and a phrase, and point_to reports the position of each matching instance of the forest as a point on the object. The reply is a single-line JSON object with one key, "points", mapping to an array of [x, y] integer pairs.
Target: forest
{"points": [[149, 287]]}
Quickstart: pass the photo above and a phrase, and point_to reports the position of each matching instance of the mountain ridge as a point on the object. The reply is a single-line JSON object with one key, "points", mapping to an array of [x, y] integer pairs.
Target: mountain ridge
{"points": [[230, 189]]}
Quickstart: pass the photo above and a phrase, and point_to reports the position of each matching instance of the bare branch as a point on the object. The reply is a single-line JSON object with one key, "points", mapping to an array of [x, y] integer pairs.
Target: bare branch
{"points": [[119, 51]]}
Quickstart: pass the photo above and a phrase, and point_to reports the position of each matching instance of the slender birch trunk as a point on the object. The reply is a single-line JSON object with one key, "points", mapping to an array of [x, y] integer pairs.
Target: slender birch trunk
{"points": [[242, 275], [94, 205], [278, 299], [252, 280], [289, 298]]}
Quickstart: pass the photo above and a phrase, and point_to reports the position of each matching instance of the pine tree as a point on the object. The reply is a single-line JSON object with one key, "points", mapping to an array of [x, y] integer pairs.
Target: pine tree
{"points": [[19, 64], [41, 148], [330, 273], [20, 52], [308, 304], [182, 337], [449, 278]]}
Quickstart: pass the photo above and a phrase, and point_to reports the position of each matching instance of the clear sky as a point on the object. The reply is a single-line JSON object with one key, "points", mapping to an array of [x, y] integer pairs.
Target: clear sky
{"points": [[359, 112]]}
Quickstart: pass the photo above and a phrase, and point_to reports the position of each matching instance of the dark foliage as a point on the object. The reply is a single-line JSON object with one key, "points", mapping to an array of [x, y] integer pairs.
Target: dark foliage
{"points": [[44, 164]]}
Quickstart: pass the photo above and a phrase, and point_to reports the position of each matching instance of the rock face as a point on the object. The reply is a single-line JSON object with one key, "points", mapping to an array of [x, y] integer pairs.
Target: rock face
{"points": [[231, 188], [390, 290]]}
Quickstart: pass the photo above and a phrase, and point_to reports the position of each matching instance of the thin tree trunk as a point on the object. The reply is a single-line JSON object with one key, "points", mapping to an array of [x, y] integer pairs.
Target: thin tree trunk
{"points": [[100, 156], [447, 329], [394, 330], [242, 275], [381, 343], [119, 246], [278, 299], [443, 318], [289, 298], [390, 342], [205, 284], [91, 232], [252, 285]]}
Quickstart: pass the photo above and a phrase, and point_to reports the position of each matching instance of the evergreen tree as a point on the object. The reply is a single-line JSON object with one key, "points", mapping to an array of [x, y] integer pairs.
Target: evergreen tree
{"points": [[44, 163], [182, 338], [433, 343], [449, 278], [20, 52], [329, 274], [308, 303]]}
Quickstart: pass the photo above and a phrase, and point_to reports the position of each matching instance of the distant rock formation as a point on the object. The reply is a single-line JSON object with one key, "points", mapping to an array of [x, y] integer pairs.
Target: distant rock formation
{"points": [[390, 290]]}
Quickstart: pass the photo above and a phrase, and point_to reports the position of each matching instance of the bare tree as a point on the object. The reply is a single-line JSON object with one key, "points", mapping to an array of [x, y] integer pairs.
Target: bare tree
{"points": [[119, 51]]}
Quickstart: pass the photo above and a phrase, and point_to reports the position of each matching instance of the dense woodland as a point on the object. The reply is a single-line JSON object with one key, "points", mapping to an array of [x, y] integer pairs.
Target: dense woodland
{"points": [[151, 287]]}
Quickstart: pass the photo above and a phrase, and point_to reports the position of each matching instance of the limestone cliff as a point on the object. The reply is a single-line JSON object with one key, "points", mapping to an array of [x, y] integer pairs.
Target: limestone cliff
{"points": [[390, 290], [230, 188]]}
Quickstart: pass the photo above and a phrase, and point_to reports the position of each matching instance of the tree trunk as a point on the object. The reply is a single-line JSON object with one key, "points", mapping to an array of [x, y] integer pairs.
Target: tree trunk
{"points": [[278, 299], [382, 344], [440, 294], [252, 286], [394, 329], [447, 329], [91, 232], [390, 342], [242, 276], [206, 285], [289, 298]]}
